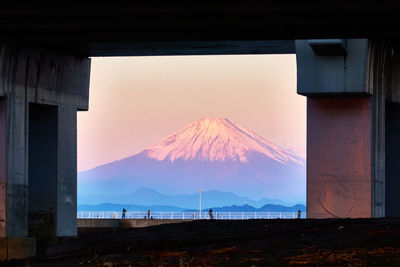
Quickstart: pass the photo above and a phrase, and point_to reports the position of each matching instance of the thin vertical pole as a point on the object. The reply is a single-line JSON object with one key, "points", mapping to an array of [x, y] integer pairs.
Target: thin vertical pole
{"points": [[200, 202]]}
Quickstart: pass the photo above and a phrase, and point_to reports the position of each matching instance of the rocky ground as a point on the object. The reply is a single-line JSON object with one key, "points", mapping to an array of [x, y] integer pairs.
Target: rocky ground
{"points": [[334, 242]]}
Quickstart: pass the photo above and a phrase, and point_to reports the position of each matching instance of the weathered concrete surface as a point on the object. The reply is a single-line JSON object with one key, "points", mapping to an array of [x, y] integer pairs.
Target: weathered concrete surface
{"points": [[40, 93], [99, 223], [44, 77], [17, 167], [67, 171], [371, 71], [339, 157], [17, 248], [123, 223], [3, 168], [338, 74]]}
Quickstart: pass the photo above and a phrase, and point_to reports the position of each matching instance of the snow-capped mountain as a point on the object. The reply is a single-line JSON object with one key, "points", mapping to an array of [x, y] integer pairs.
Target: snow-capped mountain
{"points": [[211, 154], [214, 139]]}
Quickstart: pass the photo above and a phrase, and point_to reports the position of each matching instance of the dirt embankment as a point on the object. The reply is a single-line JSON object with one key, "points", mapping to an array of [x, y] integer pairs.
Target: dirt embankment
{"points": [[336, 242]]}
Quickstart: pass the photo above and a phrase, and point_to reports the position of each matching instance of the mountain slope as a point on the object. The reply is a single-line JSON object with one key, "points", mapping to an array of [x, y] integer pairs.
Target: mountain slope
{"points": [[214, 139], [211, 154]]}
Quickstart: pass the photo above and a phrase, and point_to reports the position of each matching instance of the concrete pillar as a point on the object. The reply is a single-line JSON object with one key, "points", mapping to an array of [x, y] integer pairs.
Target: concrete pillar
{"points": [[339, 157], [67, 171], [3, 170], [17, 166], [40, 93], [348, 156]]}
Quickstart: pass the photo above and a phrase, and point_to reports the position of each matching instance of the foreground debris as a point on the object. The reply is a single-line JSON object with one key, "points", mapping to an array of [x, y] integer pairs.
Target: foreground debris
{"points": [[336, 242]]}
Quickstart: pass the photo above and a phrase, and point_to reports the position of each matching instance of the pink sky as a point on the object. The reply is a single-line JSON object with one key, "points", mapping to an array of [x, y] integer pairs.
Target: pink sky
{"points": [[136, 101]]}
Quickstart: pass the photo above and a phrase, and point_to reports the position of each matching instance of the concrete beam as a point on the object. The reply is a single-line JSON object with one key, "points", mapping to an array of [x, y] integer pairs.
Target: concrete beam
{"points": [[44, 77], [183, 48], [101, 28], [332, 74]]}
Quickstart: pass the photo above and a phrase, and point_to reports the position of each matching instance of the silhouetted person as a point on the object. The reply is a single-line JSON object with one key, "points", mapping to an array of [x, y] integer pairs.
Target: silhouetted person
{"points": [[298, 214], [210, 213], [148, 214], [123, 213]]}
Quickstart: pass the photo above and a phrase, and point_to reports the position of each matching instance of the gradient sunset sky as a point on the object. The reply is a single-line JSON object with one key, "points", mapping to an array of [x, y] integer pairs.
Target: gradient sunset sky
{"points": [[136, 101]]}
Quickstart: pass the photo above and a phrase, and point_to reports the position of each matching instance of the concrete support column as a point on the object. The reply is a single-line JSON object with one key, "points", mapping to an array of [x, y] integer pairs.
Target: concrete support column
{"points": [[339, 149], [67, 171], [17, 167], [350, 161], [40, 93], [3, 169]]}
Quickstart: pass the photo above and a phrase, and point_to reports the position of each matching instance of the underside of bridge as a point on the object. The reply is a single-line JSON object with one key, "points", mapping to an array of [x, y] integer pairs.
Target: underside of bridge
{"points": [[348, 63]]}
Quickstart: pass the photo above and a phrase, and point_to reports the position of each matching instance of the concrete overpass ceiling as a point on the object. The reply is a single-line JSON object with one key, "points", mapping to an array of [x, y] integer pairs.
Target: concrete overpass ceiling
{"points": [[117, 28]]}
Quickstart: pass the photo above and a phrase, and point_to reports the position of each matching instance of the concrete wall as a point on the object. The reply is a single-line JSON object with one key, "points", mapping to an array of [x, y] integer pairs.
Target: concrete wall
{"points": [[41, 77], [338, 157], [67, 171], [124, 223], [3, 168]]}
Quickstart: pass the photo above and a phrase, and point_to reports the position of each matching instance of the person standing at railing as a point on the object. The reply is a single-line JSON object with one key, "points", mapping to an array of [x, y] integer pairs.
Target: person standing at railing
{"points": [[210, 213], [148, 214], [123, 213], [298, 214]]}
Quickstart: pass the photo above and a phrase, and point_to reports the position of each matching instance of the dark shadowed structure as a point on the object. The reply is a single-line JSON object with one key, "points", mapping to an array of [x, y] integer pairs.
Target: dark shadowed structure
{"points": [[351, 81]]}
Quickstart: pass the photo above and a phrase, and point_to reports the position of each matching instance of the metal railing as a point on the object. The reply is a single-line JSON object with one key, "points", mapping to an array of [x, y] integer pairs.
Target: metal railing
{"points": [[188, 215]]}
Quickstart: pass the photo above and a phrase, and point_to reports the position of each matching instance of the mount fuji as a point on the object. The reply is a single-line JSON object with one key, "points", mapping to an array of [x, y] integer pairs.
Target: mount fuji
{"points": [[209, 154]]}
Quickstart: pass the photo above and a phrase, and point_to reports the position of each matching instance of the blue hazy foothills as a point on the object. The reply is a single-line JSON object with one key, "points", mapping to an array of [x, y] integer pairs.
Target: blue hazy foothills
{"points": [[149, 199]]}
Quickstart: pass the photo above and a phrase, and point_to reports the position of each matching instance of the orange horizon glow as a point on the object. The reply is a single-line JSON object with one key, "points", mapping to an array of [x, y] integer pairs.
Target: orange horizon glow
{"points": [[137, 101]]}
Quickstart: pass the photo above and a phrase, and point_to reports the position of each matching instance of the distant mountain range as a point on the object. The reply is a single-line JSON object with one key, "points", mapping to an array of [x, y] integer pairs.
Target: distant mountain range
{"points": [[149, 197], [119, 207], [209, 154], [234, 208]]}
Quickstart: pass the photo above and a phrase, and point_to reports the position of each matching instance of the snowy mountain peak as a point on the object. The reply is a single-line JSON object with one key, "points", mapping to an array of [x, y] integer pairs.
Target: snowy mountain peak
{"points": [[216, 139]]}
